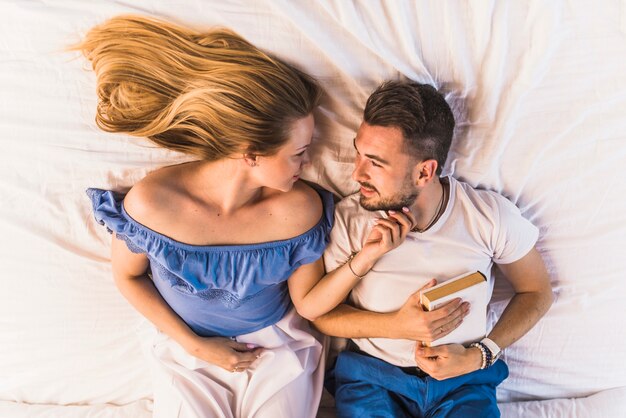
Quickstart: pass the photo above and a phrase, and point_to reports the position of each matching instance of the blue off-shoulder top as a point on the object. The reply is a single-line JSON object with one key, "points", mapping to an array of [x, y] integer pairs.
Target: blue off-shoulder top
{"points": [[223, 290]]}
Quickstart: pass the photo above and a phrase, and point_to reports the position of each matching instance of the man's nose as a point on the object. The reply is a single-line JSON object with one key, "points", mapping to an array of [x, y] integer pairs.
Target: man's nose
{"points": [[359, 173]]}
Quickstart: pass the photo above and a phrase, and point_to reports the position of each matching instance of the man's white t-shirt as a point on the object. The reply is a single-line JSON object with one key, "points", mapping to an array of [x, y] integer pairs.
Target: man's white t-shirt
{"points": [[477, 228]]}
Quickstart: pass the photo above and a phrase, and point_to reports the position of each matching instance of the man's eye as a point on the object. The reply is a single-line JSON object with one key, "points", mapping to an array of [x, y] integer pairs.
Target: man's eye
{"points": [[375, 164]]}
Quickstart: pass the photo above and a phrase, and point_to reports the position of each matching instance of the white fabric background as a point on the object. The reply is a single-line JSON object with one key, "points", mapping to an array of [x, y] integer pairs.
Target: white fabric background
{"points": [[539, 89]]}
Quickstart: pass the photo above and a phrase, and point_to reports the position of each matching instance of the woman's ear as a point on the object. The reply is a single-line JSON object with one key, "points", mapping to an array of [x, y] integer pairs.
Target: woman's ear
{"points": [[251, 159], [425, 171]]}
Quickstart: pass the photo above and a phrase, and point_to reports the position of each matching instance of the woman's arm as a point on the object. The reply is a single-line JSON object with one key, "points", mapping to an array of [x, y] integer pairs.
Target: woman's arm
{"points": [[314, 294], [129, 272]]}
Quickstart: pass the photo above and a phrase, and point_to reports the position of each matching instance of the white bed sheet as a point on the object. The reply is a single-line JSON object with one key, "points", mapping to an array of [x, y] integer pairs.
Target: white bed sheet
{"points": [[540, 93], [138, 409]]}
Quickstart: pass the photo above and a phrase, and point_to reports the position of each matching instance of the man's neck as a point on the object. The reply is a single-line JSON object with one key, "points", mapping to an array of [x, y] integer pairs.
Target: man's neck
{"points": [[429, 205]]}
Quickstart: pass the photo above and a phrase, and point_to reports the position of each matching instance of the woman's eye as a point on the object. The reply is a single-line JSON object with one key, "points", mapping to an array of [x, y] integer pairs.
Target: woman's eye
{"points": [[300, 154]]}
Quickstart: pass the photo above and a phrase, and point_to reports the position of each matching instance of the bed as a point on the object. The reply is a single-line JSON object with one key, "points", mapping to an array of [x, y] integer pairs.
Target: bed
{"points": [[539, 92]]}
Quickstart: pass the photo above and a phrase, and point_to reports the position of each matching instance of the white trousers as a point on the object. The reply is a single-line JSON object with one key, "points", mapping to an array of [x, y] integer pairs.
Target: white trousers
{"points": [[285, 382]]}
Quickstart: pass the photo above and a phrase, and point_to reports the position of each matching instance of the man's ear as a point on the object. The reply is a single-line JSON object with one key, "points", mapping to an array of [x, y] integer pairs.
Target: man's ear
{"points": [[425, 171]]}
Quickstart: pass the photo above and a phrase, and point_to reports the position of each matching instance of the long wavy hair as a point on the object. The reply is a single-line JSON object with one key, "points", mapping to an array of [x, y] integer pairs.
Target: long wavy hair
{"points": [[209, 94]]}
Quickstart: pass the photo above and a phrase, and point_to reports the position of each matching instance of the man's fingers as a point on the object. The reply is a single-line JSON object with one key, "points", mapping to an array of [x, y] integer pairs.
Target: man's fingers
{"points": [[431, 283], [416, 295], [449, 322], [414, 299], [445, 326], [437, 351], [447, 309]]}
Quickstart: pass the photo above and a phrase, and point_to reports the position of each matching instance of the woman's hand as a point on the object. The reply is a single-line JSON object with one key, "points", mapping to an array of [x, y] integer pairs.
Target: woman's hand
{"points": [[224, 352], [386, 235]]}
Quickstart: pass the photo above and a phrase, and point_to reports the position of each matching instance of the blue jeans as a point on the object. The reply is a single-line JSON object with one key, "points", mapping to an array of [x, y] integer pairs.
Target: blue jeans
{"points": [[366, 386]]}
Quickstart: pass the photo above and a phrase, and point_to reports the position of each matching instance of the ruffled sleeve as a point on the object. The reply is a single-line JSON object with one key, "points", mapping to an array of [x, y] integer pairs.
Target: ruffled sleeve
{"points": [[310, 246], [108, 211], [241, 270]]}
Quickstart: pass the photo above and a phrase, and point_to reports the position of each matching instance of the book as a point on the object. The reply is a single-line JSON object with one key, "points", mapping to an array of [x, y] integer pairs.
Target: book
{"points": [[470, 287]]}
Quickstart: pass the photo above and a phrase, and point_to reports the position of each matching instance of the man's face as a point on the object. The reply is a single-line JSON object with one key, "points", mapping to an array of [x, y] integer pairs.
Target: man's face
{"points": [[383, 169]]}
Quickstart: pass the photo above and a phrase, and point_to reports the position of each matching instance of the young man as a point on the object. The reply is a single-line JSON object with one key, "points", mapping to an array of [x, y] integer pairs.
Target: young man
{"points": [[406, 226]]}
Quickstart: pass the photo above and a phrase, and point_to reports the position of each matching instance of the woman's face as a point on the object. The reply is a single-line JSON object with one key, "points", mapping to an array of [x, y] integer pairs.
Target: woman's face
{"points": [[281, 170]]}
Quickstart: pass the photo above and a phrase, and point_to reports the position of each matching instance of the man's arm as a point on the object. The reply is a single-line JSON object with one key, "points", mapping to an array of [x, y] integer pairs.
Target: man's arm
{"points": [[349, 322], [409, 322], [532, 299]]}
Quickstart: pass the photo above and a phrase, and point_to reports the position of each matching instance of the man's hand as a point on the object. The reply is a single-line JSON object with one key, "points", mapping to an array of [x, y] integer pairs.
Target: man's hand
{"points": [[446, 361], [414, 323]]}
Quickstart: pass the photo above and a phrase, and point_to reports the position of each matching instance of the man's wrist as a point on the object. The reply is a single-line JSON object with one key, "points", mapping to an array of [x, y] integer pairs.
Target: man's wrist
{"points": [[392, 326], [489, 350], [494, 349], [476, 357]]}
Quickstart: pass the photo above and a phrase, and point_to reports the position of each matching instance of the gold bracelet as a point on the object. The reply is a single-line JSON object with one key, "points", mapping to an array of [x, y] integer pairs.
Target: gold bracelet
{"points": [[349, 263]]}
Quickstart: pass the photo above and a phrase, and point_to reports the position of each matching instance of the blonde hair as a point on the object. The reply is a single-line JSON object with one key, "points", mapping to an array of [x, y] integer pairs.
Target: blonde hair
{"points": [[208, 94]]}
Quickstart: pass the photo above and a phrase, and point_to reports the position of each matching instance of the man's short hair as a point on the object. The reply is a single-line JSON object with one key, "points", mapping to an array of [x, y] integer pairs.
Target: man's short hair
{"points": [[420, 112]]}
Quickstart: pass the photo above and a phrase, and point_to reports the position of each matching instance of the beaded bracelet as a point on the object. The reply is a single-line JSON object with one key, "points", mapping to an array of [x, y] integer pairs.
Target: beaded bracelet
{"points": [[486, 354], [490, 359]]}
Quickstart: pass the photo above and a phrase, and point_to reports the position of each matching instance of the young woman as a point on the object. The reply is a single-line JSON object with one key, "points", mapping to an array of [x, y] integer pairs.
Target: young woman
{"points": [[217, 252]]}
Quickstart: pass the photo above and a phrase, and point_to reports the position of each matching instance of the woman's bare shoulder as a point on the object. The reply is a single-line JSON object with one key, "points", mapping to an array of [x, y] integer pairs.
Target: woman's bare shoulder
{"points": [[150, 199], [299, 209]]}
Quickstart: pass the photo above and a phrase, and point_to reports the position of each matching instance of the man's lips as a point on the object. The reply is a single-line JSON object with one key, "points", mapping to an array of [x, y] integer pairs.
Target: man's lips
{"points": [[366, 191]]}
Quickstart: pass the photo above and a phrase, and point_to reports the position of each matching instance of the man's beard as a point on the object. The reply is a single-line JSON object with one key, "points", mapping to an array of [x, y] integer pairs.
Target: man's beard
{"points": [[404, 198]]}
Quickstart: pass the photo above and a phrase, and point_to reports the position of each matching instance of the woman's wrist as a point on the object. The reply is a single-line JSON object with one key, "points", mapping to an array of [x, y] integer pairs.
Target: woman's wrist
{"points": [[189, 340], [358, 264]]}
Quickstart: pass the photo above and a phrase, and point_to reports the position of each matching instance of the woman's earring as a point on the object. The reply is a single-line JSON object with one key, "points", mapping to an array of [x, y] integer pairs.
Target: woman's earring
{"points": [[250, 159]]}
